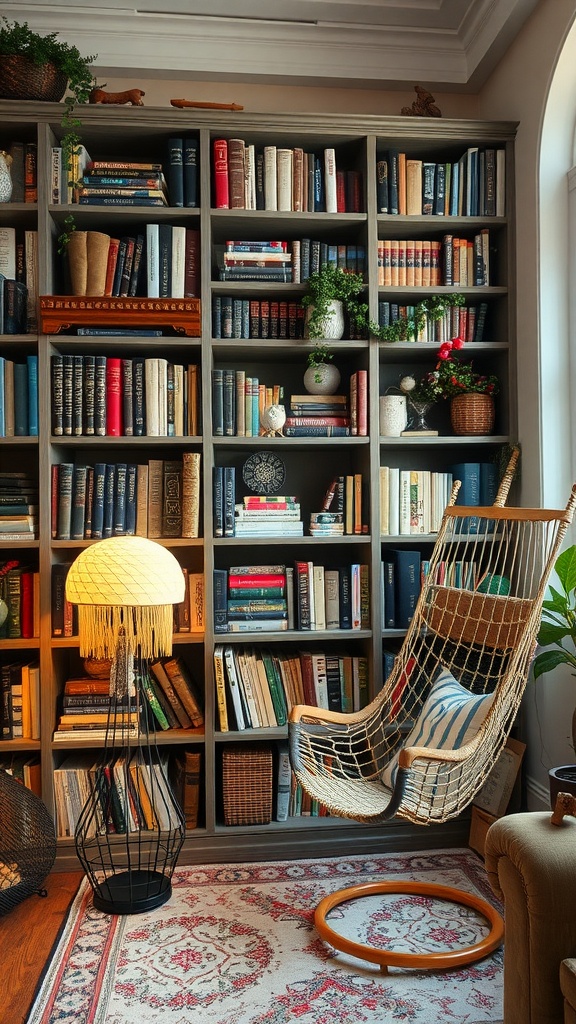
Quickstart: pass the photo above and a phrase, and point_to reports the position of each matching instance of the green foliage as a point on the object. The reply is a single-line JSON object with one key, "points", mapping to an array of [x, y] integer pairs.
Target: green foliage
{"points": [[334, 284], [319, 354], [449, 378], [18, 39], [559, 618], [406, 328]]}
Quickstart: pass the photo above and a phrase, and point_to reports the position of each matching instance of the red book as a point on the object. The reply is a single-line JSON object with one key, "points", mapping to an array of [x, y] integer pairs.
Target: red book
{"points": [[192, 264], [114, 396], [362, 402], [340, 192], [308, 679], [267, 580], [354, 404], [27, 605], [111, 265], [317, 421], [221, 200]]}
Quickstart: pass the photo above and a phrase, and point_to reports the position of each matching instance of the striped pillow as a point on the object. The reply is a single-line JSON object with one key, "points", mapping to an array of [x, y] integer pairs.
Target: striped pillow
{"points": [[450, 718]]}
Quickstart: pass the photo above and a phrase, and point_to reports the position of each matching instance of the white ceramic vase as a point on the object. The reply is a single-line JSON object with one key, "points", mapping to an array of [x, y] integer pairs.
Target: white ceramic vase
{"points": [[5, 177], [322, 379], [333, 323]]}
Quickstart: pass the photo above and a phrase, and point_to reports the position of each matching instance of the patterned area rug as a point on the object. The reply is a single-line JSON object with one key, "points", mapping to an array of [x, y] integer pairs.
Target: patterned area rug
{"points": [[236, 944]]}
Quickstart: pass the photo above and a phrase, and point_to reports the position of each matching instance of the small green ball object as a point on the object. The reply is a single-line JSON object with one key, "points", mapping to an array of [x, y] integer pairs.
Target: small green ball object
{"points": [[494, 585]]}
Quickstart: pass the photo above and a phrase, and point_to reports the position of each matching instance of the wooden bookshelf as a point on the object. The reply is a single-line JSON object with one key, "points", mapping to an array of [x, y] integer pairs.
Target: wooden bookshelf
{"points": [[358, 141]]}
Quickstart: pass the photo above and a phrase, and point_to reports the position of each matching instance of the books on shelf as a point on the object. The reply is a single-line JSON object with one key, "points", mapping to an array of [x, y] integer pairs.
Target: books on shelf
{"points": [[20, 590], [467, 186], [19, 397], [412, 501], [344, 509], [20, 700], [238, 401], [265, 515]]}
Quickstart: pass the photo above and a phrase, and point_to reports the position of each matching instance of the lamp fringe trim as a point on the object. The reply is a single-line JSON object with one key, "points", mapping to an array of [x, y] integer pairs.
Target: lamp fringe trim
{"points": [[148, 629]]}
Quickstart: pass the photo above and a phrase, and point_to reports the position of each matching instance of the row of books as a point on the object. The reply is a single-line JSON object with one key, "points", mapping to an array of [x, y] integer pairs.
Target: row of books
{"points": [[248, 177], [160, 498], [340, 415], [24, 768], [256, 318], [466, 322], [461, 262], [20, 710], [305, 596], [128, 793], [18, 396], [474, 185], [20, 591], [19, 263], [24, 171], [238, 401], [160, 262], [256, 687], [285, 262], [343, 510], [114, 396], [402, 575], [412, 501], [182, 170]]}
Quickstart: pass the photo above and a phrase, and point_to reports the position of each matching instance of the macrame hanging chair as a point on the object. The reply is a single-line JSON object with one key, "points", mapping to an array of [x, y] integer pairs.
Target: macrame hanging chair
{"points": [[424, 746]]}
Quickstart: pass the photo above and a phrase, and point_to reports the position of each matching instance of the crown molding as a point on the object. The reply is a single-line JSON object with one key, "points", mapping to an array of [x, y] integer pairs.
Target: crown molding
{"points": [[427, 41]]}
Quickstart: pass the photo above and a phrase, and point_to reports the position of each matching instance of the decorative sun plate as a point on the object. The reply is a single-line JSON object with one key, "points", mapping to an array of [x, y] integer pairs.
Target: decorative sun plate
{"points": [[264, 473]]}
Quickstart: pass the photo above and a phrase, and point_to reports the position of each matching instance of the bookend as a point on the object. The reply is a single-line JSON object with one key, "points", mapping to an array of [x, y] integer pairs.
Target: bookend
{"points": [[131, 829]]}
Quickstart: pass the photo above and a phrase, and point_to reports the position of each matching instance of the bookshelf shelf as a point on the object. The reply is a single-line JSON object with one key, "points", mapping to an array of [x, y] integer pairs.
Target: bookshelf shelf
{"points": [[311, 463]]}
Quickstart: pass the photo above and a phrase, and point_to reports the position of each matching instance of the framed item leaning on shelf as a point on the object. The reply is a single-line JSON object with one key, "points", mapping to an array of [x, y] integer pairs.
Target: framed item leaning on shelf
{"points": [[131, 829]]}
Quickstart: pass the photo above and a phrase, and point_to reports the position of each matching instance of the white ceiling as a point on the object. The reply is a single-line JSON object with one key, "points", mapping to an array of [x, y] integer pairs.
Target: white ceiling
{"points": [[384, 44]]}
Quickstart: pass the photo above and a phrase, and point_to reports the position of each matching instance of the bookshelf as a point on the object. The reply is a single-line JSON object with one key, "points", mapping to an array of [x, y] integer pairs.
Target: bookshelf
{"points": [[310, 462]]}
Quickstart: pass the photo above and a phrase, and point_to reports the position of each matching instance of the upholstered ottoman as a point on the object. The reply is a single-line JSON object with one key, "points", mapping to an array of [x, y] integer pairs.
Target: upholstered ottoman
{"points": [[531, 865]]}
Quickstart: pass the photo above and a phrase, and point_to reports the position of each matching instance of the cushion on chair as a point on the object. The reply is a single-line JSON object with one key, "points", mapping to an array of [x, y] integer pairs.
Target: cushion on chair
{"points": [[450, 718]]}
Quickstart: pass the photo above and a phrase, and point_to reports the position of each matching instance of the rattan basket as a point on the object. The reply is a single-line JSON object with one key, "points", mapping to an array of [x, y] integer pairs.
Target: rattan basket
{"points": [[247, 785], [21, 79], [472, 414]]}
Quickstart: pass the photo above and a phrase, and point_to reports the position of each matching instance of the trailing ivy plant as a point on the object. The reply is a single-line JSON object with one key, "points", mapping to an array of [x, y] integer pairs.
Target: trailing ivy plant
{"points": [[406, 328], [18, 39]]}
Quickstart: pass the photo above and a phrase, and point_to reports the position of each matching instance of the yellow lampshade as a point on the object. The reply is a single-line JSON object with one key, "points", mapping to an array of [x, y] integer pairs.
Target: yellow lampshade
{"points": [[128, 582]]}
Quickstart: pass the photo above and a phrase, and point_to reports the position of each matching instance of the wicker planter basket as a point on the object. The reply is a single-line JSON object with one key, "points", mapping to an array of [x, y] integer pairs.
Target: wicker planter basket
{"points": [[21, 79], [472, 414], [247, 785]]}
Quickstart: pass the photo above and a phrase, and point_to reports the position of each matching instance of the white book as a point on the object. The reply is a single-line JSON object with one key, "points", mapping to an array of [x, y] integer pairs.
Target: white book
{"points": [[152, 261], [141, 500], [177, 264], [394, 502], [284, 174], [270, 181], [384, 501], [319, 597], [8, 253], [178, 400], [244, 673], [404, 503], [320, 679], [355, 596], [234, 685], [249, 178], [330, 181], [259, 626], [163, 397], [283, 781], [151, 371], [332, 598]]}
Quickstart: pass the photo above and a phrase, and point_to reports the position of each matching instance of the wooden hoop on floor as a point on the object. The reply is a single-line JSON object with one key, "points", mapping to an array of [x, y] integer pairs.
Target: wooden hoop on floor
{"points": [[386, 958]]}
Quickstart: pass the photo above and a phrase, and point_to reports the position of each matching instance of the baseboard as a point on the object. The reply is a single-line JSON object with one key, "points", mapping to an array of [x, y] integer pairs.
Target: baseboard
{"points": [[537, 795], [260, 843]]}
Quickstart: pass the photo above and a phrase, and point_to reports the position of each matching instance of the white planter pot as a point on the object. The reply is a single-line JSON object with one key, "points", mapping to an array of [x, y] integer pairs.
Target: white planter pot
{"points": [[332, 324], [322, 379]]}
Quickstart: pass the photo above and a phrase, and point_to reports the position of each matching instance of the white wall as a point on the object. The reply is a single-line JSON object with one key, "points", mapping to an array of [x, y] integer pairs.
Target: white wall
{"points": [[536, 85]]}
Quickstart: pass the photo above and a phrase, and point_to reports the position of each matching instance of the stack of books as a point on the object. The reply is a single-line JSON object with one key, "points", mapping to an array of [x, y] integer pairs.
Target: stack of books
{"points": [[343, 509], [119, 183], [262, 515], [318, 416], [254, 261], [18, 506], [251, 598]]}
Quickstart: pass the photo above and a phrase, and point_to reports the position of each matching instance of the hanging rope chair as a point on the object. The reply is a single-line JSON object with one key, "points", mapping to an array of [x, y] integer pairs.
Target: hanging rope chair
{"points": [[425, 745]]}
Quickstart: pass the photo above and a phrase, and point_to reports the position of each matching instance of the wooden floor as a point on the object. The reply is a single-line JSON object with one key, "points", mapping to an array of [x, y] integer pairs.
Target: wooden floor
{"points": [[27, 935]]}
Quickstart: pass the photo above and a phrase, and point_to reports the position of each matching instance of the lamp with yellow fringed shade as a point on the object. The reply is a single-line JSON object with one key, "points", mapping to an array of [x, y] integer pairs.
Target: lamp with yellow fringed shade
{"points": [[131, 829]]}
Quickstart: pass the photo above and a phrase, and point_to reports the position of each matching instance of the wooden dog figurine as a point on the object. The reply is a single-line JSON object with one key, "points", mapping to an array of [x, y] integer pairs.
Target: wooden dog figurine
{"points": [[133, 96]]}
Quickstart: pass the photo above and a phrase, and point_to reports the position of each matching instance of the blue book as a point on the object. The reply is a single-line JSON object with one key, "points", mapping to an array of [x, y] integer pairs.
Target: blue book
{"points": [[20, 400], [77, 521], [488, 483], [119, 519], [109, 486], [389, 595], [406, 584], [32, 364], [392, 158], [220, 600], [216, 316], [65, 489], [131, 478], [191, 171], [176, 171], [454, 189], [469, 494], [98, 500], [121, 201], [218, 501]]}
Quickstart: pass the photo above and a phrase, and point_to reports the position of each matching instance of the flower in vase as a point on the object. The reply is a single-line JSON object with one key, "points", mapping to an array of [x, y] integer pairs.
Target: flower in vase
{"points": [[449, 378]]}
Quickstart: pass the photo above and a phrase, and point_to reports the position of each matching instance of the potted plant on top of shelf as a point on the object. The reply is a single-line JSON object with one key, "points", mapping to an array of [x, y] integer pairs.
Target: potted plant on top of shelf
{"points": [[558, 632]]}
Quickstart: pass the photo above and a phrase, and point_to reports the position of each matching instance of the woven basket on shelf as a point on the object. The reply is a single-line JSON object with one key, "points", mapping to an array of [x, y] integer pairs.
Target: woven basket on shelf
{"points": [[247, 785], [472, 414], [21, 79]]}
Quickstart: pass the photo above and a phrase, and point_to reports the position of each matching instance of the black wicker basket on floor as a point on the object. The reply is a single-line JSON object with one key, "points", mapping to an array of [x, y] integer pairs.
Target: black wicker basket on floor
{"points": [[27, 842]]}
